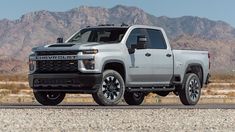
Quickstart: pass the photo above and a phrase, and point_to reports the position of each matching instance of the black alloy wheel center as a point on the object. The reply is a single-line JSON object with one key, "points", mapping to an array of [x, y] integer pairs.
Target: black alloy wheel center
{"points": [[194, 89], [111, 87]]}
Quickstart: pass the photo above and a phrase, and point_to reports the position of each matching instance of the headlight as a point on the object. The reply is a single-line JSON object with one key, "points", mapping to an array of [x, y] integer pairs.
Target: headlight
{"points": [[32, 62], [32, 55], [93, 51], [89, 64], [32, 65]]}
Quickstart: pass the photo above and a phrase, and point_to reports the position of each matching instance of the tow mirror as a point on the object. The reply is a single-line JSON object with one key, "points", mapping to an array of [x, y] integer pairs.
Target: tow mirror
{"points": [[60, 40], [132, 49], [142, 42]]}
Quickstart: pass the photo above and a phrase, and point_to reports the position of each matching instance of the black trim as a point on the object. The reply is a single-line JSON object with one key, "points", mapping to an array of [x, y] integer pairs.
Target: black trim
{"points": [[115, 61], [61, 45], [176, 79], [208, 79], [173, 77], [196, 64], [75, 83], [150, 89], [57, 52]]}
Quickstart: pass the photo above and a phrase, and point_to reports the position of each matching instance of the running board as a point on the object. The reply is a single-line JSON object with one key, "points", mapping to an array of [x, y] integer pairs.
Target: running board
{"points": [[153, 89]]}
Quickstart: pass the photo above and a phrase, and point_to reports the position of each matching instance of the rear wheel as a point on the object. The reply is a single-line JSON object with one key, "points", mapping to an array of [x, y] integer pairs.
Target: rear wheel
{"points": [[134, 98], [49, 98], [191, 90], [112, 89]]}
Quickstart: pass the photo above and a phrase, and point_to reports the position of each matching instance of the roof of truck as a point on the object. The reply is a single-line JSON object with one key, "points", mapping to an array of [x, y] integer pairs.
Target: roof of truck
{"points": [[124, 26]]}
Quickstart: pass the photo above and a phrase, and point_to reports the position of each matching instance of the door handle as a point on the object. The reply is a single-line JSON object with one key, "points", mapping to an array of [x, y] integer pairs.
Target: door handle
{"points": [[168, 55], [147, 54]]}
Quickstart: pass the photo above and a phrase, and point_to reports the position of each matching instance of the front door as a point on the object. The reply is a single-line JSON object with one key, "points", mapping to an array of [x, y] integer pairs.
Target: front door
{"points": [[139, 68]]}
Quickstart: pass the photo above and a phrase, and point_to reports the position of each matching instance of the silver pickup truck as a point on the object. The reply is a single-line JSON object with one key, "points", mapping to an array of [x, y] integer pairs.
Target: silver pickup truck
{"points": [[115, 62]]}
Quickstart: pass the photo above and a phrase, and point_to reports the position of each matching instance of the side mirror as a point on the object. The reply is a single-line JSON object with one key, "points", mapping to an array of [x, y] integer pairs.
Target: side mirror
{"points": [[60, 40], [142, 42], [132, 49]]}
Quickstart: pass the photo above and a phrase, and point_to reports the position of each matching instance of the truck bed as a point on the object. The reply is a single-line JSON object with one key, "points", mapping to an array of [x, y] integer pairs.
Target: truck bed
{"points": [[182, 58]]}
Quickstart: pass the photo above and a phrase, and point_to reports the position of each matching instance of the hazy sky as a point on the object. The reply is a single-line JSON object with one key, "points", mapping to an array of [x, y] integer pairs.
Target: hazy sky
{"points": [[212, 9]]}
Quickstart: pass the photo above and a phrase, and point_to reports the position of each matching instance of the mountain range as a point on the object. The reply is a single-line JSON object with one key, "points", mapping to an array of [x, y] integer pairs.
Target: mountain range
{"points": [[17, 37]]}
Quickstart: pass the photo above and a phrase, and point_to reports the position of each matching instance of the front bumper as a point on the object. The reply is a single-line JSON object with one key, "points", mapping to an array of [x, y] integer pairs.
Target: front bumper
{"points": [[70, 83]]}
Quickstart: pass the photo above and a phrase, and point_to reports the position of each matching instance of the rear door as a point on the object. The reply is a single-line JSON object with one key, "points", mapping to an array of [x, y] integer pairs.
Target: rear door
{"points": [[162, 57]]}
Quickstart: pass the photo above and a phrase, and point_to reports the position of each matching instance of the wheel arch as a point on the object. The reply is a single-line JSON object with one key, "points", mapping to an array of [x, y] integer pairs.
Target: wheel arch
{"points": [[116, 65], [197, 69]]}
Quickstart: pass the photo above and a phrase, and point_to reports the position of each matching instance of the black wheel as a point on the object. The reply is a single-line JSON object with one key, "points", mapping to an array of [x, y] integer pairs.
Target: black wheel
{"points": [[49, 98], [162, 93], [112, 89], [191, 90], [134, 98]]}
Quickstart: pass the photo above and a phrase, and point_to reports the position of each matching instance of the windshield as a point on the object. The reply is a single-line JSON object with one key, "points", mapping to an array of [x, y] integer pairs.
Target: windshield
{"points": [[99, 35]]}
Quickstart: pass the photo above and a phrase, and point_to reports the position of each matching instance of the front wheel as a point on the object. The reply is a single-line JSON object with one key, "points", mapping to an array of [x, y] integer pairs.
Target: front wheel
{"points": [[49, 98], [111, 90], [191, 90], [134, 98]]}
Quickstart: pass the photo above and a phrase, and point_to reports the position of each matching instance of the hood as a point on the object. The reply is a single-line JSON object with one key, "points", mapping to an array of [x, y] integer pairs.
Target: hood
{"points": [[67, 46]]}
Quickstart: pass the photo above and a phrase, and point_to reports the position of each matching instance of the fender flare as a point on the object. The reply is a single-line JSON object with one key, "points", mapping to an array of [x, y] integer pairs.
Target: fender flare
{"points": [[198, 65], [114, 61]]}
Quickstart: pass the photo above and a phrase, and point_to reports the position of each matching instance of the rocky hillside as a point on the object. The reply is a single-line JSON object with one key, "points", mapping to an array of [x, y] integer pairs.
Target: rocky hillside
{"points": [[38, 28]]}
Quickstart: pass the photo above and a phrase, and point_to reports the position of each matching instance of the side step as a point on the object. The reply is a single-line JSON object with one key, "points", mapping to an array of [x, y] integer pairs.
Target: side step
{"points": [[151, 89]]}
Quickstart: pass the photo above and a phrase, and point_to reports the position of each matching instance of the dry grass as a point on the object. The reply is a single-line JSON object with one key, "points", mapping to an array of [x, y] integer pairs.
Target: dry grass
{"points": [[228, 78], [15, 88], [220, 86], [231, 94], [14, 77]]}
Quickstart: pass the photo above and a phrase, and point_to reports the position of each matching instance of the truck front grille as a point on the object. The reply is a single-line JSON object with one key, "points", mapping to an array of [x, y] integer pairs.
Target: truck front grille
{"points": [[41, 53], [57, 66]]}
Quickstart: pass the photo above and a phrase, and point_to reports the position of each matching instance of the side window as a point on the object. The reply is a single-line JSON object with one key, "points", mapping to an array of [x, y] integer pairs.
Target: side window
{"points": [[132, 39], [156, 39]]}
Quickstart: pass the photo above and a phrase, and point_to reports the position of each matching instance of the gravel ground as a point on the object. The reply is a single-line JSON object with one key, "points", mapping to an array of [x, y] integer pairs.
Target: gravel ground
{"points": [[117, 120]]}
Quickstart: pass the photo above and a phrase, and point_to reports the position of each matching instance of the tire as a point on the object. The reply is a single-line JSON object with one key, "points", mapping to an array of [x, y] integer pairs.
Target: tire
{"points": [[111, 90], [162, 93], [134, 98], [191, 90], [49, 98]]}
